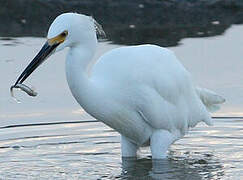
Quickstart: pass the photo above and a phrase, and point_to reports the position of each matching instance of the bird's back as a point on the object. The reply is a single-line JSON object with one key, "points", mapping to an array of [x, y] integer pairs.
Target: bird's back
{"points": [[149, 79], [144, 64]]}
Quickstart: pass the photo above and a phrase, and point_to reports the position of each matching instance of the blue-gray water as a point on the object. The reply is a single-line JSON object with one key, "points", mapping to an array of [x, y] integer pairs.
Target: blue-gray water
{"points": [[50, 137], [90, 150]]}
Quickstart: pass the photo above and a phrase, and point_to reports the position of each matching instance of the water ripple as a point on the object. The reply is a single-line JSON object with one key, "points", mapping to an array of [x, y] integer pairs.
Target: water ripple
{"points": [[90, 150]]}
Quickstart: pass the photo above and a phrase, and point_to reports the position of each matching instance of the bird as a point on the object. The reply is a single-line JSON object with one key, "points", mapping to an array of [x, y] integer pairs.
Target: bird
{"points": [[143, 91]]}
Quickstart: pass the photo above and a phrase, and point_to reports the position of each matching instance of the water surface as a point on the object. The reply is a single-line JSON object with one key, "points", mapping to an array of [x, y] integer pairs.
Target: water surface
{"points": [[90, 150], [51, 137]]}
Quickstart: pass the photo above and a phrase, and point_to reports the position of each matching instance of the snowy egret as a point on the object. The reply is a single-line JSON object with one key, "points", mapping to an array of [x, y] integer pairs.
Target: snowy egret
{"points": [[143, 92]]}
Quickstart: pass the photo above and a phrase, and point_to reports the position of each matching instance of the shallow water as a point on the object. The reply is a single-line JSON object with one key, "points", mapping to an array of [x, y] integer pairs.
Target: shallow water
{"points": [[90, 150], [49, 137]]}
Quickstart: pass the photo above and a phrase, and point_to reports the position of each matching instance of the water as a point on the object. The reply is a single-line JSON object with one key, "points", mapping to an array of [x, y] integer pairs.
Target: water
{"points": [[90, 150], [49, 137]]}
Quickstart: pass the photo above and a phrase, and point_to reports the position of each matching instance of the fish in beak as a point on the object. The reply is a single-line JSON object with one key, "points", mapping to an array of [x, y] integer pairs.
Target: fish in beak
{"points": [[47, 49]]}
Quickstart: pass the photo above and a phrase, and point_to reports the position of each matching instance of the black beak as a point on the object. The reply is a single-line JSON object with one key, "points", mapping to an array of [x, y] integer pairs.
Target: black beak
{"points": [[45, 51]]}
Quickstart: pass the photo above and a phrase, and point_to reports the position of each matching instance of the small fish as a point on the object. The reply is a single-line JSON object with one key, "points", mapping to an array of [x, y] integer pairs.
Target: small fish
{"points": [[24, 88]]}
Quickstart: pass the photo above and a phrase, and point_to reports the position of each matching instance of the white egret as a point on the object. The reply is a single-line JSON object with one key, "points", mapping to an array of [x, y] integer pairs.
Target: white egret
{"points": [[143, 92]]}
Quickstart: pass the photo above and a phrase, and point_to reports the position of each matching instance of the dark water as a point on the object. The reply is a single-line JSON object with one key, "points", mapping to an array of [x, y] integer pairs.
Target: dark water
{"points": [[90, 150], [162, 22]]}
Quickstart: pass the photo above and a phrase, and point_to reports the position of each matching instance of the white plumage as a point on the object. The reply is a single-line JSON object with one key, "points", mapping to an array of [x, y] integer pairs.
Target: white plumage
{"points": [[143, 92]]}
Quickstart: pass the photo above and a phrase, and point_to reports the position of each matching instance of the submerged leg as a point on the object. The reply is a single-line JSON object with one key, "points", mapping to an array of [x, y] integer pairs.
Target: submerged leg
{"points": [[160, 142], [128, 148]]}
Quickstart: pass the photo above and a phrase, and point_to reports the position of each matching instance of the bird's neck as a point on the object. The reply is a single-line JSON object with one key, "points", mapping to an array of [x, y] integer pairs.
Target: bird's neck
{"points": [[86, 92]]}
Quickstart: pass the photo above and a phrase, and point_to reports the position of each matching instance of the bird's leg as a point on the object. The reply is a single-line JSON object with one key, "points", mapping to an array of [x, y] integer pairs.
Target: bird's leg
{"points": [[160, 142], [128, 148]]}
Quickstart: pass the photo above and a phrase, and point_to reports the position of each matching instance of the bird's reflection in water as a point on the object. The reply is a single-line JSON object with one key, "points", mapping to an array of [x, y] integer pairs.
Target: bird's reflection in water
{"points": [[176, 168]]}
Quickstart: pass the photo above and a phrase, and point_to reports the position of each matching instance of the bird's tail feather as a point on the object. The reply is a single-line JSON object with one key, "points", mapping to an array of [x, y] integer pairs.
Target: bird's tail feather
{"points": [[210, 99]]}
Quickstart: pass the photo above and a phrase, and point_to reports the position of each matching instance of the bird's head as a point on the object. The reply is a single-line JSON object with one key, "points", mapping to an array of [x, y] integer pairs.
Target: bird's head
{"points": [[67, 30]]}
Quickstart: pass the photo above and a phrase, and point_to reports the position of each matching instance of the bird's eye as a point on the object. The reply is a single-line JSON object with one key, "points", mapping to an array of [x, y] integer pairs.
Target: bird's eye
{"points": [[64, 33]]}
